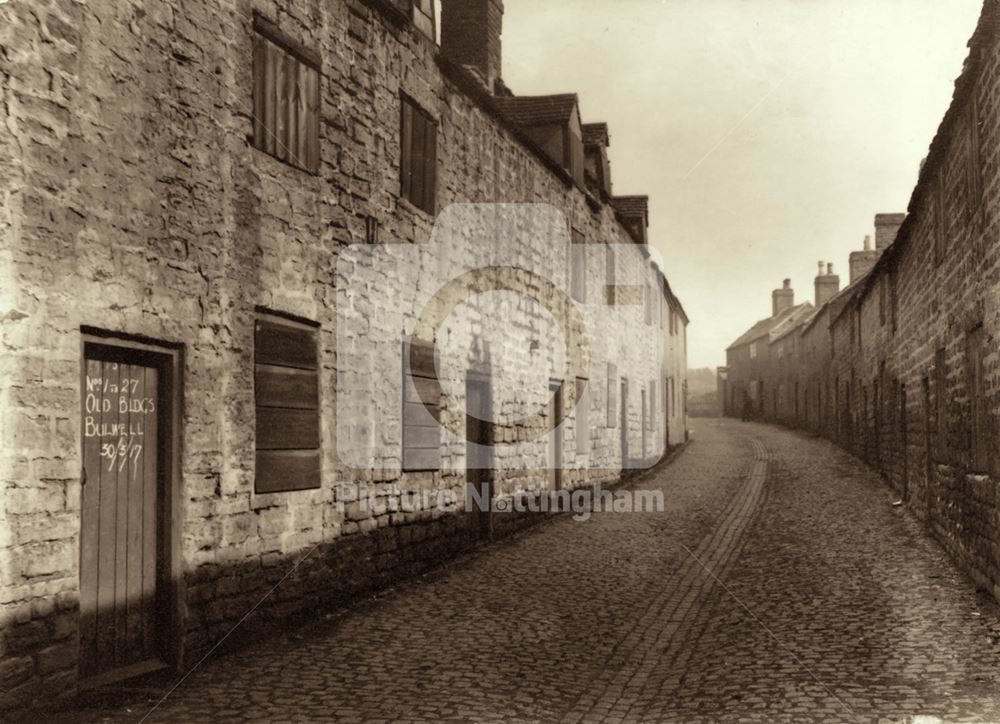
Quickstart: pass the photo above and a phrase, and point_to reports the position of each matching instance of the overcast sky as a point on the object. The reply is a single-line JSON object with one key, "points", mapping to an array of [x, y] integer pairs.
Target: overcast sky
{"points": [[767, 133]]}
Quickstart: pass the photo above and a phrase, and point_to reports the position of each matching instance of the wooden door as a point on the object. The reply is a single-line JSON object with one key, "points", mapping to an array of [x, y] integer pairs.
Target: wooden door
{"points": [[903, 441], [120, 513], [555, 447], [478, 449]]}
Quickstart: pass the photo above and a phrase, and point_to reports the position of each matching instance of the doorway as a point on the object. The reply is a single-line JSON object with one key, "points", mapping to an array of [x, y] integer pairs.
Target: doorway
{"points": [[479, 449], [128, 557], [555, 446]]}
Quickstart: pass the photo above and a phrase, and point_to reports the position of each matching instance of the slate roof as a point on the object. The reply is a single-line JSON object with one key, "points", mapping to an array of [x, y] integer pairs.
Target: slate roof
{"points": [[764, 326], [527, 111], [596, 134], [792, 321], [838, 301]]}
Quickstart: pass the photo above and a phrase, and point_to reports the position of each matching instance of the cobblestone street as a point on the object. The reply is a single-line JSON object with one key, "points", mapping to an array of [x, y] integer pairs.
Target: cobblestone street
{"points": [[780, 584]]}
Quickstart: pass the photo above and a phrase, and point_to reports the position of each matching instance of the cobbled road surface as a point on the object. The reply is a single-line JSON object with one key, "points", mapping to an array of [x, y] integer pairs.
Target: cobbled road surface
{"points": [[779, 584]]}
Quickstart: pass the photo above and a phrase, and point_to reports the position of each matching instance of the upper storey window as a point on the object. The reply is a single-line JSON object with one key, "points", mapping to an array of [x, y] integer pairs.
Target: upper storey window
{"points": [[286, 98], [418, 157]]}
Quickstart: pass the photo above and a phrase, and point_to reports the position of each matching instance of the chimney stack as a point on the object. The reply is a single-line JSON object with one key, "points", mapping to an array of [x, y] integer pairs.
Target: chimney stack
{"points": [[782, 299], [886, 228], [827, 285], [861, 262], [470, 35]]}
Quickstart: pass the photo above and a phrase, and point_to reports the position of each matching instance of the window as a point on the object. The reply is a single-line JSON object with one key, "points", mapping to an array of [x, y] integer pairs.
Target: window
{"points": [[753, 350], [582, 417], [578, 267], [421, 409], [612, 398], [286, 100], [286, 394], [648, 304], [609, 276], [423, 17], [975, 358], [418, 157], [672, 410]]}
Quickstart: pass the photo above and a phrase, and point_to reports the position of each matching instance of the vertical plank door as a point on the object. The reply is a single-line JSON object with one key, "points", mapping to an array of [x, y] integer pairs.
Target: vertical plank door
{"points": [[119, 523]]}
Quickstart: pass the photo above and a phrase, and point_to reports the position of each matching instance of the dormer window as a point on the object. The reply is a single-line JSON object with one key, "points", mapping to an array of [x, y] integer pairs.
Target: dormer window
{"points": [[423, 17]]}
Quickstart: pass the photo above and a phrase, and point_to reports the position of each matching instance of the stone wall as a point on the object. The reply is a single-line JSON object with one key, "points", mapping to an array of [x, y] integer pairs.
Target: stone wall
{"points": [[899, 409], [134, 205]]}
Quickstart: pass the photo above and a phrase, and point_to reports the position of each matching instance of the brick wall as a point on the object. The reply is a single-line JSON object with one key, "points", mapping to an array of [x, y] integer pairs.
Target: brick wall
{"points": [[905, 401], [133, 204]]}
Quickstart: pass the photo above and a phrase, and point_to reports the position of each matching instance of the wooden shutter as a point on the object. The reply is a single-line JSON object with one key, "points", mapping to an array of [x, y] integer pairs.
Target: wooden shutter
{"points": [[430, 166], [286, 103], [421, 409], [286, 390], [418, 157], [406, 150]]}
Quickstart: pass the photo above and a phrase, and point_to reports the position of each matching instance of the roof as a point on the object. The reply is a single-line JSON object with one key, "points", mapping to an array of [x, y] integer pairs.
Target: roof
{"points": [[792, 322], [764, 326], [837, 302], [528, 111], [596, 134]]}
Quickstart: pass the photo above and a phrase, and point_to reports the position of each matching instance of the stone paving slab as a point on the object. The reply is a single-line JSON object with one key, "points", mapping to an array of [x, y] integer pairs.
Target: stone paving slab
{"points": [[779, 584]]}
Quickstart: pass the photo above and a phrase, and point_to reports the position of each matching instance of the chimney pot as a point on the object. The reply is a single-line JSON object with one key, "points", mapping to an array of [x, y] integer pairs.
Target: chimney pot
{"points": [[787, 284], [820, 273], [829, 268], [868, 242]]}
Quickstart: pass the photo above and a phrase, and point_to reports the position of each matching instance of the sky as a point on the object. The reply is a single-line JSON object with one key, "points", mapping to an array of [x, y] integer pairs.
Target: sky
{"points": [[767, 133]]}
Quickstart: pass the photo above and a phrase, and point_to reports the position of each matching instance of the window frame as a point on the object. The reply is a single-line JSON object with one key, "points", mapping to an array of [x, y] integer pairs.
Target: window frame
{"points": [[266, 131], [422, 196]]}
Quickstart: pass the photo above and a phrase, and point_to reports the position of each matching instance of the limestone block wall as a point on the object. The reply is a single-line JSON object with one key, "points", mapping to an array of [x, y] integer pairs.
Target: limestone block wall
{"points": [[133, 205]]}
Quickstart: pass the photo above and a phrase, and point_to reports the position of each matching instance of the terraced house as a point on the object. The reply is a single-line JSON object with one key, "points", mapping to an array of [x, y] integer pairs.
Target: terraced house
{"points": [[219, 372], [902, 367]]}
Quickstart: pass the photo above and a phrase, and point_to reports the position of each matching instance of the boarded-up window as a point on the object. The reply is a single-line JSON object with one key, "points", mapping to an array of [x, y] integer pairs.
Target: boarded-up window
{"points": [[582, 417], [418, 157], [286, 98], [612, 398], [578, 267], [286, 391], [975, 358], [421, 408]]}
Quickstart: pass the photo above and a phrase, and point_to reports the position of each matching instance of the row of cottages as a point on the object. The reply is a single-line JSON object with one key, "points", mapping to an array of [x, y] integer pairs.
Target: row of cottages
{"points": [[902, 367], [280, 283]]}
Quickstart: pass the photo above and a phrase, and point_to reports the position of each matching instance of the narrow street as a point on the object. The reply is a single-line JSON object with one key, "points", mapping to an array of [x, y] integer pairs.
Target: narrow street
{"points": [[780, 584]]}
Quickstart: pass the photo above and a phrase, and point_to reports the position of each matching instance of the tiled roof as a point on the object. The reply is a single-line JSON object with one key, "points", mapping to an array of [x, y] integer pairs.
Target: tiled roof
{"points": [[791, 322], [764, 326], [526, 111], [596, 134]]}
